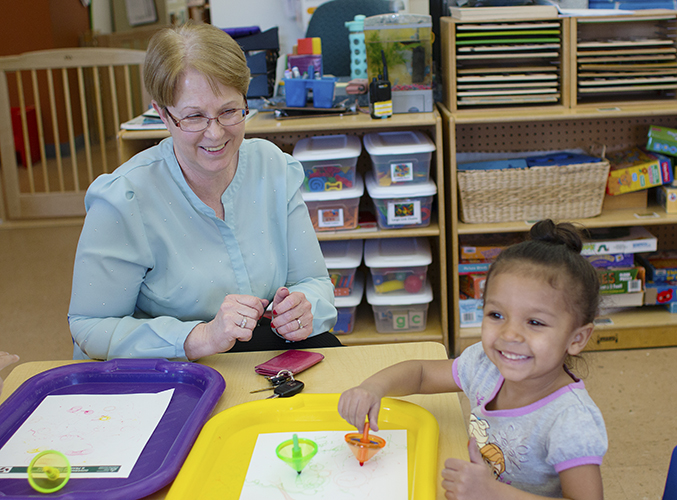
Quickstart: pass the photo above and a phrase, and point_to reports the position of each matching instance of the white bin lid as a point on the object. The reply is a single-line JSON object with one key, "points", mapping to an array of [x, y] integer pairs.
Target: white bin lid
{"points": [[327, 147], [398, 143], [397, 252], [398, 298], [344, 254], [353, 192], [396, 191], [355, 296]]}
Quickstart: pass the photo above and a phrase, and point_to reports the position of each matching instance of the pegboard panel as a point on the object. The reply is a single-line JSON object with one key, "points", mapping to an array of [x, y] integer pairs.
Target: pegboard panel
{"points": [[587, 134], [666, 234]]}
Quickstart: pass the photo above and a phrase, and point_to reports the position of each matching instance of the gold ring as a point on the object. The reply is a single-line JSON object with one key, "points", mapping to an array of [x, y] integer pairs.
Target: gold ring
{"points": [[299, 321]]}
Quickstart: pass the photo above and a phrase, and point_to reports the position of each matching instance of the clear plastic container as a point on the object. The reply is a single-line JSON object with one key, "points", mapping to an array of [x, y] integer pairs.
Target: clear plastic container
{"points": [[335, 210], [328, 161], [399, 157], [398, 265], [400, 312], [401, 206], [342, 259], [347, 306]]}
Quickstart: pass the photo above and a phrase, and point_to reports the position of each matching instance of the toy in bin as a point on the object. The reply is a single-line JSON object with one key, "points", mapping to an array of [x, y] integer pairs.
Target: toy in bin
{"points": [[297, 452], [399, 157], [364, 446], [398, 264], [49, 471], [342, 259], [400, 206], [328, 161], [346, 308]]}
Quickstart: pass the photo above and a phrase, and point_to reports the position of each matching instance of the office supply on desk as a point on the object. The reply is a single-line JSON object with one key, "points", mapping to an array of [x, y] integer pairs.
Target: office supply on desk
{"points": [[196, 390]]}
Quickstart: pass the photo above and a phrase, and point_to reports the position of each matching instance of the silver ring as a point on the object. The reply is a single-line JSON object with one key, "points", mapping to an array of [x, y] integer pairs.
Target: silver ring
{"points": [[243, 323], [299, 321]]}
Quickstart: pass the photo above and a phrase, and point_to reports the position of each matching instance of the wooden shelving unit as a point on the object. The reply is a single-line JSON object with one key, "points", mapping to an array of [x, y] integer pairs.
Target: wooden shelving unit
{"points": [[285, 133]]}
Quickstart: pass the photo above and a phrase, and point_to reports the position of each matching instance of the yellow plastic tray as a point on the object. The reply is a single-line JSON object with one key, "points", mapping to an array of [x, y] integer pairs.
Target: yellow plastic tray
{"points": [[217, 465]]}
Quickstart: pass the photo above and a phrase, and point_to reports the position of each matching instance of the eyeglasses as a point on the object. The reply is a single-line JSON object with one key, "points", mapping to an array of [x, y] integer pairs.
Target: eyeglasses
{"points": [[198, 123]]}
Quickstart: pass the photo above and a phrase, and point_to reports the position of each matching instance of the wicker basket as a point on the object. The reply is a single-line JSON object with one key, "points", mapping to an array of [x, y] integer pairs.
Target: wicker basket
{"points": [[555, 192]]}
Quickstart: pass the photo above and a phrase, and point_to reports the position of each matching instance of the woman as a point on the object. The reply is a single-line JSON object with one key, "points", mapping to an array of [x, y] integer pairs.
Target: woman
{"points": [[185, 245]]}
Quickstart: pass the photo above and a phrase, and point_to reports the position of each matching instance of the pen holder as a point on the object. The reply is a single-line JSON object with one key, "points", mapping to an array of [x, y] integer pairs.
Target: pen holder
{"points": [[296, 91]]}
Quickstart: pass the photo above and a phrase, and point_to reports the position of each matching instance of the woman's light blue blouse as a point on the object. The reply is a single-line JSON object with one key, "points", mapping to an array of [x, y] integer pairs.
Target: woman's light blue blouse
{"points": [[153, 260]]}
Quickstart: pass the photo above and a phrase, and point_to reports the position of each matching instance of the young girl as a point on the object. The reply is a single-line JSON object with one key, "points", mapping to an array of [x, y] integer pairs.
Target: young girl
{"points": [[533, 426]]}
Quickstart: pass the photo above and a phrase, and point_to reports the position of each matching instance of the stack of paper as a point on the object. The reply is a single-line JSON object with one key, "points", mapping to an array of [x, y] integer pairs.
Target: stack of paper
{"points": [[508, 63], [637, 58]]}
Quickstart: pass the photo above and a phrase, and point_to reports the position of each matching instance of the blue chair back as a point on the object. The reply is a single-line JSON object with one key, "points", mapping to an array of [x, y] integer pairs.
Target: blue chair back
{"points": [[328, 24]]}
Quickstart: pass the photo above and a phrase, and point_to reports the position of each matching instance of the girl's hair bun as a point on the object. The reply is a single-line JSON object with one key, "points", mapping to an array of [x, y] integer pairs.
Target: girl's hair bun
{"points": [[558, 234]]}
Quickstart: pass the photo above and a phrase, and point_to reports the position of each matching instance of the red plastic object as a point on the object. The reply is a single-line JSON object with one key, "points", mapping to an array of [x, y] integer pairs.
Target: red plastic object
{"points": [[32, 125]]}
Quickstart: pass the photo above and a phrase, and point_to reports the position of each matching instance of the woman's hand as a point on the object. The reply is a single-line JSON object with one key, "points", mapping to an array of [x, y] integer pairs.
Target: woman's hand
{"points": [[236, 319], [292, 316], [358, 403], [6, 359]]}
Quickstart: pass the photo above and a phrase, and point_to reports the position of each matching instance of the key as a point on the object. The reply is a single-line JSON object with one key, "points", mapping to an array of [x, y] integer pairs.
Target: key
{"points": [[288, 389], [278, 379]]}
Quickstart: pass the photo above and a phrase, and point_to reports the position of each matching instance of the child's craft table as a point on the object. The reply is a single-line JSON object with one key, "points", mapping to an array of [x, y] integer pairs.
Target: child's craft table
{"points": [[342, 368]]}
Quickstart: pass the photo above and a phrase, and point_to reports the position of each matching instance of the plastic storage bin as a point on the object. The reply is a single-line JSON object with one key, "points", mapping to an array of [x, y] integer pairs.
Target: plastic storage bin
{"points": [[328, 161], [398, 265], [335, 210], [401, 206], [342, 259], [399, 312], [347, 306], [400, 157]]}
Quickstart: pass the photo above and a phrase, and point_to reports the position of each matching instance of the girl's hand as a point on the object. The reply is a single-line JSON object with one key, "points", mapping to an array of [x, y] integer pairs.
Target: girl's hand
{"points": [[6, 359], [356, 404], [469, 480], [236, 319], [292, 316]]}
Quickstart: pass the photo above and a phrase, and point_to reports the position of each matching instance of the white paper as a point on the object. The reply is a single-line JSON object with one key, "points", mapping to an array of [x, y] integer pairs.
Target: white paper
{"points": [[102, 435], [333, 474]]}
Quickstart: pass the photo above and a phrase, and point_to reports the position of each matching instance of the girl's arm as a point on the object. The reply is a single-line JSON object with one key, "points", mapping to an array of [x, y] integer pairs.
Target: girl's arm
{"points": [[402, 379], [474, 481]]}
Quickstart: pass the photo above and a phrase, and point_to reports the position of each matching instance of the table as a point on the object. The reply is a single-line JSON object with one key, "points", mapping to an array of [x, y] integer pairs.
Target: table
{"points": [[342, 368]]}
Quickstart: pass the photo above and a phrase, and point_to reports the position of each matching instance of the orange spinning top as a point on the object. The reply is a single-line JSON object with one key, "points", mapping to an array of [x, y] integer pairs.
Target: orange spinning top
{"points": [[363, 445]]}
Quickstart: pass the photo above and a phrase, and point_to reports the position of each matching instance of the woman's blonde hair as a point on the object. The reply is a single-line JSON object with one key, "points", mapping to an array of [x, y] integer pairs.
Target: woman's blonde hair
{"points": [[202, 47]]}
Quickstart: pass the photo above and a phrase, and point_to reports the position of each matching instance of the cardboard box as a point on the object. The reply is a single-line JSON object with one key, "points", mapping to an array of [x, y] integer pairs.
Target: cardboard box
{"points": [[612, 260], [666, 196], [470, 312], [662, 140], [621, 280], [660, 266], [632, 170], [473, 284], [660, 293], [486, 246], [619, 240], [636, 199], [473, 266], [619, 300]]}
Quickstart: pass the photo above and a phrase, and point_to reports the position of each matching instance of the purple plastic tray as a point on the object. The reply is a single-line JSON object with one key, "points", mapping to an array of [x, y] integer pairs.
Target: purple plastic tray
{"points": [[197, 389]]}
